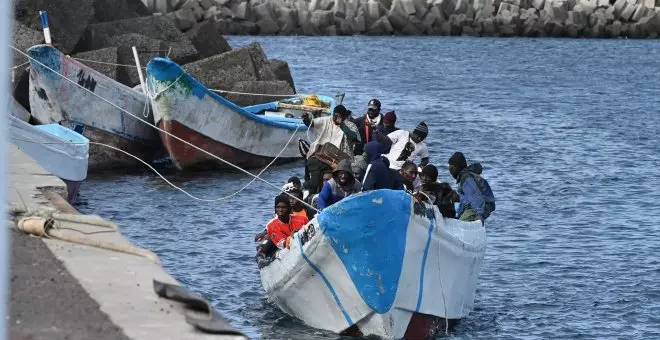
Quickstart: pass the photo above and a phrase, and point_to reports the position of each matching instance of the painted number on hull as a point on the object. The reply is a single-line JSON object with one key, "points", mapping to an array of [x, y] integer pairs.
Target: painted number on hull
{"points": [[86, 81], [307, 234]]}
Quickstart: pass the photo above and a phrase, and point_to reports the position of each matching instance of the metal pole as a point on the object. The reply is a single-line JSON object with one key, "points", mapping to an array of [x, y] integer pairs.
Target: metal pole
{"points": [[139, 69], [44, 25], [5, 245]]}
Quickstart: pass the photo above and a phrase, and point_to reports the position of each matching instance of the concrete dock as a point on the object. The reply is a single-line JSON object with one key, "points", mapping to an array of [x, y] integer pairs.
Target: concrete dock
{"points": [[63, 290]]}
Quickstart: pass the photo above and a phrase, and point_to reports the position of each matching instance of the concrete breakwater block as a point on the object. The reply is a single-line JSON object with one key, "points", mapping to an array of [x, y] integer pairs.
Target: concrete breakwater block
{"points": [[222, 71], [260, 62], [113, 10], [23, 37], [106, 55], [411, 17], [67, 19], [208, 40], [257, 87], [148, 48], [282, 72], [156, 27]]}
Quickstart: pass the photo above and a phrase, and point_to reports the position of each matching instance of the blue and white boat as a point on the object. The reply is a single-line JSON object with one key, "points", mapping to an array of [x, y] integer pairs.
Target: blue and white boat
{"points": [[378, 263], [52, 146], [68, 102], [295, 107], [249, 137]]}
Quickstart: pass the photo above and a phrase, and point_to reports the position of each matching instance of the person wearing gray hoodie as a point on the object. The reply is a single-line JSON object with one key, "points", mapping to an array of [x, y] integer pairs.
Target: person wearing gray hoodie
{"points": [[341, 185]]}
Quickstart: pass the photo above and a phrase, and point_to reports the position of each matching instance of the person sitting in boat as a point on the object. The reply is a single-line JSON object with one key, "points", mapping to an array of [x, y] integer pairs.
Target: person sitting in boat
{"points": [[439, 194], [377, 175], [408, 175], [477, 201], [280, 228], [293, 182], [358, 171], [368, 124], [297, 207], [341, 185], [405, 145], [359, 166], [337, 130]]}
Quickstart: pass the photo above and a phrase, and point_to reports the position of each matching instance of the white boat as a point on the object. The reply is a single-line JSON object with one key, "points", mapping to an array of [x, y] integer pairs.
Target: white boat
{"points": [[54, 99], [248, 137], [378, 263], [50, 145]]}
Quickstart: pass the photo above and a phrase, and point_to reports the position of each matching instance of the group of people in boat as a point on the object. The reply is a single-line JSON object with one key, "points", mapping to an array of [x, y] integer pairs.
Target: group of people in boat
{"points": [[351, 155]]}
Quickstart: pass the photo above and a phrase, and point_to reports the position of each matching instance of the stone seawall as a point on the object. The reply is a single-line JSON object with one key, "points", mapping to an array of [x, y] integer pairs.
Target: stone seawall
{"points": [[498, 18]]}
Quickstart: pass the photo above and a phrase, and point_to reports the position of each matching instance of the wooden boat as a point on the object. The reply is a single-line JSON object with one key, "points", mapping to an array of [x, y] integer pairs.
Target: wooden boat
{"points": [[53, 99], [378, 263], [50, 146], [315, 105], [246, 137]]}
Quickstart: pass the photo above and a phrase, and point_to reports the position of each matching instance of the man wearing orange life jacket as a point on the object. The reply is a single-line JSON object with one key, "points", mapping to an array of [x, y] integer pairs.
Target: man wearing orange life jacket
{"points": [[280, 228]]}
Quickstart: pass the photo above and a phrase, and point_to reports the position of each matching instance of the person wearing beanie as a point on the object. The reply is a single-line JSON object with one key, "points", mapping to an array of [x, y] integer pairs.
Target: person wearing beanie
{"points": [[406, 146], [371, 121], [477, 201], [429, 174], [389, 122], [438, 194], [280, 228]]}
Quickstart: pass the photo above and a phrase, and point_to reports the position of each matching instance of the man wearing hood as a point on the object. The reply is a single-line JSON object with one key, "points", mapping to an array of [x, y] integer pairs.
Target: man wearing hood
{"points": [[476, 197], [341, 185], [406, 146], [439, 194], [377, 175], [368, 124]]}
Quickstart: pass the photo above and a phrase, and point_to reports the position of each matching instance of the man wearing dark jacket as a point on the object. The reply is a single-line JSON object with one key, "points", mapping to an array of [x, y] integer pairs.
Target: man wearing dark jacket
{"points": [[368, 123], [377, 175], [477, 199]]}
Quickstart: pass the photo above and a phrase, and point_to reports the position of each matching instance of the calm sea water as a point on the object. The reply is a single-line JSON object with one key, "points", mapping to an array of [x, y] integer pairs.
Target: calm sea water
{"points": [[567, 131]]}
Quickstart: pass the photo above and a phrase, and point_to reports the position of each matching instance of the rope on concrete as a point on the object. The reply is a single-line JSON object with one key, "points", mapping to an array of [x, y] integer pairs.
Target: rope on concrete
{"points": [[37, 225]]}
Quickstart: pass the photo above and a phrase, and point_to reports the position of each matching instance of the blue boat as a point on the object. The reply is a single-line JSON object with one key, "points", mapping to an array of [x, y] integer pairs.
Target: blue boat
{"points": [[378, 263], [60, 151]]}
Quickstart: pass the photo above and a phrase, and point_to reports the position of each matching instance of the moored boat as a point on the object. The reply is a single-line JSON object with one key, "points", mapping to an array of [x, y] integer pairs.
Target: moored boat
{"points": [[316, 105], [53, 99], [378, 263], [248, 137], [61, 151]]}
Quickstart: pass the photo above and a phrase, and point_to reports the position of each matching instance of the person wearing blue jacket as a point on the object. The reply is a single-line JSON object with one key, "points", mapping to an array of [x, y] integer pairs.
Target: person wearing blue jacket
{"points": [[341, 185], [477, 201], [377, 176]]}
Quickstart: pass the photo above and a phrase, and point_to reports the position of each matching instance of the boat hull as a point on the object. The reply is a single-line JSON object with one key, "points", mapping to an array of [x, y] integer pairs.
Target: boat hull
{"points": [[186, 157], [53, 99], [186, 109], [60, 151], [378, 263]]}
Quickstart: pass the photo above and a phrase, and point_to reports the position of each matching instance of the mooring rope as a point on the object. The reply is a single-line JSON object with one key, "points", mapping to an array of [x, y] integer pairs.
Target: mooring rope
{"points": [[163, 177], [166, 132]]}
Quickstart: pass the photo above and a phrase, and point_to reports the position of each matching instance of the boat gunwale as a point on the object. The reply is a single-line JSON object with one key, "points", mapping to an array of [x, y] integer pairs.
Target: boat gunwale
{"points": [[165, 70]]}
